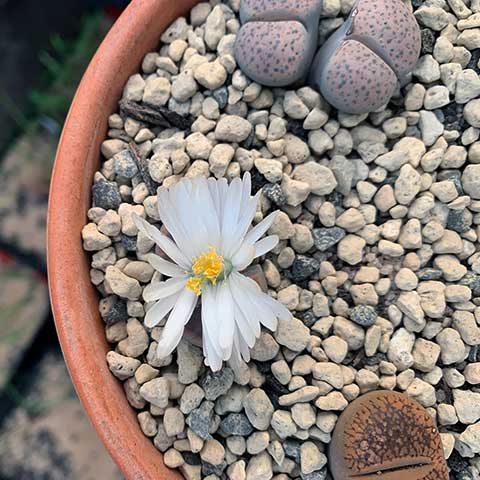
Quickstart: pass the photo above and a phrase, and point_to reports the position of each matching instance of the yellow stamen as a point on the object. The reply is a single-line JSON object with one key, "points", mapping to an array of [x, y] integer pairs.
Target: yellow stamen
{"points": [[195, 285], [206, 268], [208, 265]]}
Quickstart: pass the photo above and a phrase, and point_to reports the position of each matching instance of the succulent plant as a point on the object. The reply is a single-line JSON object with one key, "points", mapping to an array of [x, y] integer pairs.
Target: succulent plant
{"points": [[278, 39], [358, 69]]}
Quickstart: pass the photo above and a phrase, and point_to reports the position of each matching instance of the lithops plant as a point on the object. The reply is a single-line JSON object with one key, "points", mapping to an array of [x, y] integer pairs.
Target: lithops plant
{"points": [[359, 67], [386, 435], [278, 39]]}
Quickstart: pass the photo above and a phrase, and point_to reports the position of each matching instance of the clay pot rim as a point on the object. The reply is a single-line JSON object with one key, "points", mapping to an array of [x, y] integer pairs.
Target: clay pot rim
{"points": [[73, 298]]}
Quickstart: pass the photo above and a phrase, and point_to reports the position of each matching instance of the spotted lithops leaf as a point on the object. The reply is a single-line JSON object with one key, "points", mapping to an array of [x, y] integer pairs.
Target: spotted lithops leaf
{"points": [[274, 53], [387, 435], [354, 79], [279, 10], [390, 29]]}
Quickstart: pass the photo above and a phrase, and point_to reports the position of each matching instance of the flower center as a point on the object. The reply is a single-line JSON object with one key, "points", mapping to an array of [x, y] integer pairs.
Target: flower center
{"points": [[207, 268]]}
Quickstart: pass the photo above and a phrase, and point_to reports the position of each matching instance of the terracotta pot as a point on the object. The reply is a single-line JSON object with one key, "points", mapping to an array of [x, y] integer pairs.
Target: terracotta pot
{"points": [[74, 300]]}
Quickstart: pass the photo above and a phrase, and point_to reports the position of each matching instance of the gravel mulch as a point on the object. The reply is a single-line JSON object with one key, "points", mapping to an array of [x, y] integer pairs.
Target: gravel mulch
{"points": [[377, 261]]}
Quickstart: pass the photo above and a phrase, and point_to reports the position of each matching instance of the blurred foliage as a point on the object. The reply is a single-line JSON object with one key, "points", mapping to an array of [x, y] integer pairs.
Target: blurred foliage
{"points": [[64, 65]]}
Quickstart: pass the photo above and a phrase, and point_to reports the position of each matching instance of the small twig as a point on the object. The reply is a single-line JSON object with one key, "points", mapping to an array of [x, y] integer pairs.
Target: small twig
{"points": [[142, 165]]}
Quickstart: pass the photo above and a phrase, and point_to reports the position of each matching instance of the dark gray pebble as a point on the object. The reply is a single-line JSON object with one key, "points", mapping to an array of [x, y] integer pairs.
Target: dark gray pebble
{"points": [[221, 96], [304, 267], [429, 274], [124, 164], [274, 192], [217, 383], [363, 315], [472, 280], [129, 243], [292, 449], [459, 220], [113, 310], [209, 469], [318, 475], [236, 424], [106, 195], [324, 238], [200, 419]]}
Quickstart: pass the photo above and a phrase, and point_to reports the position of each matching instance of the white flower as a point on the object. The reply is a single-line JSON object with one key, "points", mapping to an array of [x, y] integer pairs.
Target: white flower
{"points": [[212, 242]]}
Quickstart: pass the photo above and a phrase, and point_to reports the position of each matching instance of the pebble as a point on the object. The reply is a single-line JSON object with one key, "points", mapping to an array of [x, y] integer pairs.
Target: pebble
{"points": [[471, 181], [333, 401], [400, 349], [189, 361], [311, 459], [258, 408], [173, 422], [212, 452], [363, 315], [215, 384], [211, 75], [93, 240], [200, 419], [451, 345], [121, 366], [156, 392], [259, 467], [292, 334], [121, 284], [330, 373], [467, 406], [425, 355], [283, 424], [184, 86], [350, 249], [232, 128], [320, 178]]}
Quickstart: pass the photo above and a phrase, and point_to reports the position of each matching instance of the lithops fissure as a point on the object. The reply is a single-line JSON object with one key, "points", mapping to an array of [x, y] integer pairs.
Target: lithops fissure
{"points": [[359, 67], [278, 39]]}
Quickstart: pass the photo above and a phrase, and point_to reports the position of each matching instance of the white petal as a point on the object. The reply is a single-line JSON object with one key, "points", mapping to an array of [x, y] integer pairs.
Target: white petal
{"points": [[172, 222], [230, 215], [210, 321], [258, 230], [245, 329], [278, 308], [282, 312], [266, 244], [244, 222], [173, 331], [162, 241], [227, 324], [211, 357], [164, 266], [244, 257], [235, 361], [242, 301], [156, 291], [246, 191], [258, 300], [158, 312]]}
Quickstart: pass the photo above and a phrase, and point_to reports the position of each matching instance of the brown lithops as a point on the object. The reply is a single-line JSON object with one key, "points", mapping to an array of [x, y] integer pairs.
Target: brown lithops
{"points": [[385, 28], [386, 436], [277, 42]]}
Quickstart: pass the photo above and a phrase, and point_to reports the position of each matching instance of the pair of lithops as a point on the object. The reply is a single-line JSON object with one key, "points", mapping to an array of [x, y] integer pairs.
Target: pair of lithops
{"points": [[358, 68]]}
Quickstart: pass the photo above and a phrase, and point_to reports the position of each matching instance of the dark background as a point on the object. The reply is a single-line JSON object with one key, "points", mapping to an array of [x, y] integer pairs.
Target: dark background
{"points": [[45, 46]]}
